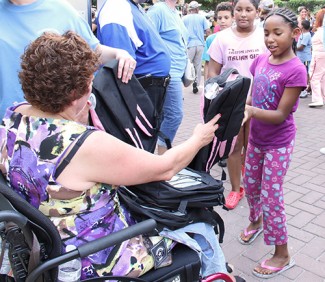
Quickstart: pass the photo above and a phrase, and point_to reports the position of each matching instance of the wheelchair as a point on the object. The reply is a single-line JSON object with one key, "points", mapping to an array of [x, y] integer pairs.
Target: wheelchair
{"points": [[35, 248]]}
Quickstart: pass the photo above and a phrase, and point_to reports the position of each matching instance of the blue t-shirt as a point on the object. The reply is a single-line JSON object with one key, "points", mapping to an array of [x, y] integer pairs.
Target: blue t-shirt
{"points": [[305, 54], [123, 24], [208, 41], [19, 26], [196, 25], [173, 32]]}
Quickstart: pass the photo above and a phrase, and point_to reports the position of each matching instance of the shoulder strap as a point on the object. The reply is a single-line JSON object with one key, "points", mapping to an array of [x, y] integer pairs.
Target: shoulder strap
{"points": [[73, 151]]}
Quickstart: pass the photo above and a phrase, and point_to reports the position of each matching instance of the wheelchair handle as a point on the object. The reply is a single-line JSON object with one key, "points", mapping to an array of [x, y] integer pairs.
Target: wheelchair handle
{"points": [[20, 220], [14, 216], [94, 246]]}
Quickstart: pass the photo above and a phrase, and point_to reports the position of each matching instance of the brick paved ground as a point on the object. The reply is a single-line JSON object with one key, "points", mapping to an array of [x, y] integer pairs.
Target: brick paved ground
{"points": [[304, 196]]}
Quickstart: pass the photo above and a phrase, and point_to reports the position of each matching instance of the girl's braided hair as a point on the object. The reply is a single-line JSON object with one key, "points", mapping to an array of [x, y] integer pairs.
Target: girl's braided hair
{"points": [[289, 17]]}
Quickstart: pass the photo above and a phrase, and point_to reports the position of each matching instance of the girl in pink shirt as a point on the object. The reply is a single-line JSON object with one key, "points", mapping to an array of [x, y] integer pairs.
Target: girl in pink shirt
{"points": [[279, 78]]}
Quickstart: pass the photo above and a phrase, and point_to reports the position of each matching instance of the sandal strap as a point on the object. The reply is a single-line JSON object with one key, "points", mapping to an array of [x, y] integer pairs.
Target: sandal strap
{"points": [[253, 231], [269, 267]]}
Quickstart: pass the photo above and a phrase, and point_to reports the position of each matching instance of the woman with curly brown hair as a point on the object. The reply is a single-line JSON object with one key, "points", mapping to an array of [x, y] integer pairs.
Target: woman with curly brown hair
{"points": [[70, 171], [317, 65]]}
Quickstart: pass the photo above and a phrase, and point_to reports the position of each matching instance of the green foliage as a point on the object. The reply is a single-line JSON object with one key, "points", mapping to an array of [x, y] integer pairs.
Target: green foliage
{"points": [[312, 5]]}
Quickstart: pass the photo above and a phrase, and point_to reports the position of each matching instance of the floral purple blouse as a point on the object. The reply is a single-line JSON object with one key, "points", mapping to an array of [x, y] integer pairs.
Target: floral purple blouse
{"points": [[31, 149]]}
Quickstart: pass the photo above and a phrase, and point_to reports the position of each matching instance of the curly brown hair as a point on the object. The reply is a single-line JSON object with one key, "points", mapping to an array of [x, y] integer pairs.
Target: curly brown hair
{"points": [[56, 70]]}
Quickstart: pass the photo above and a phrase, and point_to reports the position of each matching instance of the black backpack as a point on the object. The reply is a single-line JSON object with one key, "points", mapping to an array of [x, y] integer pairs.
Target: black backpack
{"points": [[125, 110], [187, 198], [231, 91]]}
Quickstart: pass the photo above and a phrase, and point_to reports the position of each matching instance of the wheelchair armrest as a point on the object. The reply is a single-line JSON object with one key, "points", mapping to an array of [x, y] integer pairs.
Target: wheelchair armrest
{"points": [[94, 246]]}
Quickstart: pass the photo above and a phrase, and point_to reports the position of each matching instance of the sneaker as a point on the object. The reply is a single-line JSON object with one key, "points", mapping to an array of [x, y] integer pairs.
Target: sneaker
{"points": [[316, 104], [195, 89], [303, 94], [322, 150], [233, 198]]}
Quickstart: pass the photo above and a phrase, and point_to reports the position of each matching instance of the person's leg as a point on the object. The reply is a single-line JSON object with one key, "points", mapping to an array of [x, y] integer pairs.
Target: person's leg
{"points": [[252, 183], [173, 113], [317, 68], [234, 171], [276, 164], [198, 63], [191, 52], [322, 80], [305, 92]]}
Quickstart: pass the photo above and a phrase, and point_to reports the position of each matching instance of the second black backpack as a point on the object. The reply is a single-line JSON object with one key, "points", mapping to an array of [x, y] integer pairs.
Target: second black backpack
{"points": [[227, 95], [187, 198]]}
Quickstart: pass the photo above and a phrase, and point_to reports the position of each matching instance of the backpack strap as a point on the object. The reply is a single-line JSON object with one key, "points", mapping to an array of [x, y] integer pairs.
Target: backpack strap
{"points": [[73, 151], [222, 78]]}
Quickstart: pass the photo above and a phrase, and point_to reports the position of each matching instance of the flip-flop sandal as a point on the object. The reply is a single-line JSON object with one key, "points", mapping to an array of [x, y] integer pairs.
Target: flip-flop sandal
{"points": [[275, 270], [253, 232]]}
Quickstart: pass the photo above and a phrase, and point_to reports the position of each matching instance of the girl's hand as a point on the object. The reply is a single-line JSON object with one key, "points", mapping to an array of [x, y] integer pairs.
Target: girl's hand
{"points": [[205, 132], [249, 112]]}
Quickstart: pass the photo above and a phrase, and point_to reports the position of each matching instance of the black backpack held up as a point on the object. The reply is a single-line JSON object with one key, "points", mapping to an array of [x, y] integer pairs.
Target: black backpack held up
{"points": [[125, 110], [225, 94]]}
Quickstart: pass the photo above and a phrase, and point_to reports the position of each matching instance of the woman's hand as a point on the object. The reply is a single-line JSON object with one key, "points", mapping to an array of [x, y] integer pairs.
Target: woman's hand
{"points": [[126, 65], [205, 132]]}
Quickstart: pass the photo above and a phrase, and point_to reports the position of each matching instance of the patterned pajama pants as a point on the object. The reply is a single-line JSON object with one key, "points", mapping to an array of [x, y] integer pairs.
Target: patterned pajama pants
{"points": [[265, 170]]}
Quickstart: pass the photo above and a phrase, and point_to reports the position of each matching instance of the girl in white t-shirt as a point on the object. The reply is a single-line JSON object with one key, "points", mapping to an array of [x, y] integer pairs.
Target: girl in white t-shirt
{"points": [[237, 47]]}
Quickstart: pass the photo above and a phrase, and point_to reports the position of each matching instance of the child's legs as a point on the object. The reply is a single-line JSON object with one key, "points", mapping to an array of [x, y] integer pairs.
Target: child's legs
{"points": [[252, 181], [234, 162], [307, 64], [275, 167]]}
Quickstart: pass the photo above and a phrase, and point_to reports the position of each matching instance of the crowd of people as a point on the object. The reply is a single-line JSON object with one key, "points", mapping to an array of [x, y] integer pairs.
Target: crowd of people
{"points": [[54, 159]]}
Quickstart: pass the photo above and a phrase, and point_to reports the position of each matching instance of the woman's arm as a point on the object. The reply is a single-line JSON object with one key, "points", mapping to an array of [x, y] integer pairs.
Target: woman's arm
{"points": [[288, 100], [105, 159]]}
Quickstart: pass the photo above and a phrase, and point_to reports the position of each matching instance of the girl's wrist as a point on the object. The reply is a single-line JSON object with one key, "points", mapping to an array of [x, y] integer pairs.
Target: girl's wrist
{"points": [[253, 112]]}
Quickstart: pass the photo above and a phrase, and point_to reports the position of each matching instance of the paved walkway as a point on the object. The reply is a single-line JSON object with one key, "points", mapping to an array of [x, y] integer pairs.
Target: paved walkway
{"points": [[304, 190]]}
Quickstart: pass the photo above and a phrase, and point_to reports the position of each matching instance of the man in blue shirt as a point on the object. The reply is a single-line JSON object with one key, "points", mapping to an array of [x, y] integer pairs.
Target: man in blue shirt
{"points": [[22, 21], [168, 24], [124, 24], [197, 26]]}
